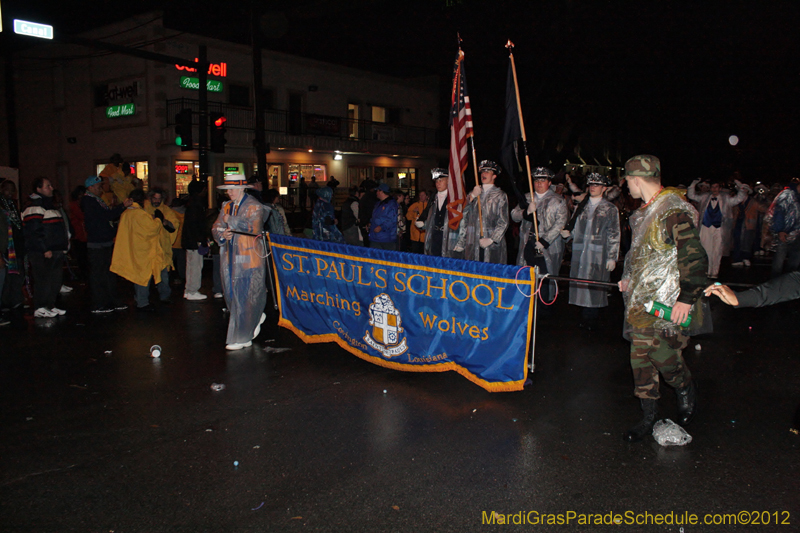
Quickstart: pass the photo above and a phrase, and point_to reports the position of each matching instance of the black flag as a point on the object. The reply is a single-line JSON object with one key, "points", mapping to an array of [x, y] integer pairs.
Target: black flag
{"points": [[512, 151]]}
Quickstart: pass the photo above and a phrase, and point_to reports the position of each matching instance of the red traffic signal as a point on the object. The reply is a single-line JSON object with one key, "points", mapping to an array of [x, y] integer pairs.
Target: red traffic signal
{"points": [[219, 122]]}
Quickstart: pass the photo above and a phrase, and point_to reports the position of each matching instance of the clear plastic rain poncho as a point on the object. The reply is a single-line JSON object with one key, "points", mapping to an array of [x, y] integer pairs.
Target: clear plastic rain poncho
{"points": [[242, 267], [595, 241], [494, 214], [552, 216], [652, 268]]}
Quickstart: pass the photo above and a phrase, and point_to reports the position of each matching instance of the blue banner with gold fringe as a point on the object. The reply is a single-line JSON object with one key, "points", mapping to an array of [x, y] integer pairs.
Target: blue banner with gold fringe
{"points": [[409, 312]]}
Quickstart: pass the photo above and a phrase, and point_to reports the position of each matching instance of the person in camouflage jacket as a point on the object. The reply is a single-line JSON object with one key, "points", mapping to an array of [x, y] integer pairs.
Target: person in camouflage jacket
{"points": [[666, 264]]}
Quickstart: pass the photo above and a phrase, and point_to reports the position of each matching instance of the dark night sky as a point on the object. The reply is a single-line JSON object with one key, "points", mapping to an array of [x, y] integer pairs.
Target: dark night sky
{"points": [[671, 78]]}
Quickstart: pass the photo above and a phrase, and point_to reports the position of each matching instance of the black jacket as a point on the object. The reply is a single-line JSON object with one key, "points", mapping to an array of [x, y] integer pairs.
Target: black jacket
{"points": [[194, 223], [44, 226], [98, 219], [780, 289]]}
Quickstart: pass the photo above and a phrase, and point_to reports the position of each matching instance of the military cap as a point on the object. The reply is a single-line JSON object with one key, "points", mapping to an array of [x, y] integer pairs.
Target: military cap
{"points": [[598, 179], [437, 173], [488, 164], [542, 173], [643, 165]]}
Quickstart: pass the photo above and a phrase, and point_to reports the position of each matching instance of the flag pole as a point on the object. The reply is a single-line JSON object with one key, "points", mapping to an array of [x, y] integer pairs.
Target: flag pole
{"points": [[474, 157], [510, 47]]}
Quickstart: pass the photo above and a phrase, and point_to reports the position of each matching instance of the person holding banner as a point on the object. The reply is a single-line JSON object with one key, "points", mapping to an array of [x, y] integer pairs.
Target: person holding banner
{"points": [[482, 234], [242, 262], [552, 213], [595, 247], [666, 264]]}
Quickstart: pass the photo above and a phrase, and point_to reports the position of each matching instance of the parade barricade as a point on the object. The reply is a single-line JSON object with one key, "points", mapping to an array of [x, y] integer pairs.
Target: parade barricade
{"points": [[408, 312]]}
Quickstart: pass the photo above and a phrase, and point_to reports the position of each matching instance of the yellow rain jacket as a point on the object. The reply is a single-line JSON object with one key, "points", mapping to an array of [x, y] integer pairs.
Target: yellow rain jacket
{"points": [[139, 251], [172, 216], [121, 185]]}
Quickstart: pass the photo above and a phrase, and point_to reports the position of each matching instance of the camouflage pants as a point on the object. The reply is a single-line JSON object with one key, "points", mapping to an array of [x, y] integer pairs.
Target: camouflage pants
{"points": [[654, 351]]}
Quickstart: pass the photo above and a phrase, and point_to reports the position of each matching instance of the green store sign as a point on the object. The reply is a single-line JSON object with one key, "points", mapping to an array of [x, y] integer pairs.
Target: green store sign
{"points": [[213, 86], [124, 110]]}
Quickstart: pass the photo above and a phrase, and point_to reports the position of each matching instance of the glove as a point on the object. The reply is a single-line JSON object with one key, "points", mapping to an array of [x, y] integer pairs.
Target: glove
{"points": [[168, 225], [420, 224], [539, 247], [159, 215], [611, 265], [476, 192], [565, 233], [486, 242], [531, 207]]}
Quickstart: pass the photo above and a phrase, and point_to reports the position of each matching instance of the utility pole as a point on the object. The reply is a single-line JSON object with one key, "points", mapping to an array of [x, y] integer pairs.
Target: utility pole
{"points": [[258, 104], [202, 68]]}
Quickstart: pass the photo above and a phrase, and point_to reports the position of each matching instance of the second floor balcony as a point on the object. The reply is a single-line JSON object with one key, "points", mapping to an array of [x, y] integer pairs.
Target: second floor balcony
{"points": [[293, 124]]}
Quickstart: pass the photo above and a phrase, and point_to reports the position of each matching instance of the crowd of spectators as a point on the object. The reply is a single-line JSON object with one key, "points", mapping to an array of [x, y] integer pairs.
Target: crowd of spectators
{"points": [[41, 234]]}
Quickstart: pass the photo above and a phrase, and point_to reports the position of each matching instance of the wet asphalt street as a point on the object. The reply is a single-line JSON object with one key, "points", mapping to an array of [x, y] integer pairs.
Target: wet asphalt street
{"points": [[97, 436]]}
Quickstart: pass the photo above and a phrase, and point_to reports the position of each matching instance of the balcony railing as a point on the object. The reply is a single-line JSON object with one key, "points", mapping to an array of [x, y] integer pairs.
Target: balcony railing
{"points": [[289, 123]]}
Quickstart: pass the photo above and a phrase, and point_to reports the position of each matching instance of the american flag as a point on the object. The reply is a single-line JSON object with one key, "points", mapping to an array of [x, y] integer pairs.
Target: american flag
{"points": [[460, 130]]}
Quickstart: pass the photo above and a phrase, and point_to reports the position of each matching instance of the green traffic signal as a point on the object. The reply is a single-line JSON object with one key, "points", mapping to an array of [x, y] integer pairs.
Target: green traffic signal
{"points": [[178, 140]]}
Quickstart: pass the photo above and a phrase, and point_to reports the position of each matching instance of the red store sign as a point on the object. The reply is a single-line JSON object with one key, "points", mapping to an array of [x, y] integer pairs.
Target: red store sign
{"points": [[214, 69]]}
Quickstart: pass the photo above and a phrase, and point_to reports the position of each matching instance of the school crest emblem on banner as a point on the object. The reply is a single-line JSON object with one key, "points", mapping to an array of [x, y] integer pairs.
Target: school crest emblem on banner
{"points": [[387, 327]]}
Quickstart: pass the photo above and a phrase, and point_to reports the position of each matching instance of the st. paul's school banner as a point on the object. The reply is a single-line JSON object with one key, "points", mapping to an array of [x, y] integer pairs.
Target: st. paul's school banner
{"points": [[408, 312]]}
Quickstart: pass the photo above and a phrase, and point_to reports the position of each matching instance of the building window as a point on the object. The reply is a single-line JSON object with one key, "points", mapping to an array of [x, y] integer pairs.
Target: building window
{"points": [[184, 172], [318, 172], [268, 98], [352, 120], [402, 178], [378, 114], [356, 175], [395, 115], [239, 95]]}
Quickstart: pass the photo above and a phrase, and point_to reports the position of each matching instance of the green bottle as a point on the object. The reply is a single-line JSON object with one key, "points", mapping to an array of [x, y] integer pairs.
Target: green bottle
{"points": [[660, 310]]}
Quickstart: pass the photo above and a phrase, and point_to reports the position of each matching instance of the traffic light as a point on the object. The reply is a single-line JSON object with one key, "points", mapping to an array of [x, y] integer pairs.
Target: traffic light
{"points": [[183, 129], [218, 130]]}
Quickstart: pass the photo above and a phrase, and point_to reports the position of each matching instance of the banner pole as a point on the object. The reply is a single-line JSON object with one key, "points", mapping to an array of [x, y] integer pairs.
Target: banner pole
{"points": [[510, 47], [268, 246], [535, 297]]}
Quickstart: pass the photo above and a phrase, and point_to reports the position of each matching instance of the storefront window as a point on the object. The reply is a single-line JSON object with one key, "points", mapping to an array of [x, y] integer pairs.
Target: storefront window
{"points": [[276, 179], [402, 178], [318, 172], [184, 172], [355, 175]]}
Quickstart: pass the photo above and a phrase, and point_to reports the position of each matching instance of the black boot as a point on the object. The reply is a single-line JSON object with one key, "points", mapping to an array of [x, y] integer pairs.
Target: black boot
{"points": [[687, 403], [645, 425]]}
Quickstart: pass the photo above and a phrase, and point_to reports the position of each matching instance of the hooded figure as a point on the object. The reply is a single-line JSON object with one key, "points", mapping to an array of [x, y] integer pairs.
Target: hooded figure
{"points": [[323, 219], [139, 253], [242, 262]]}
